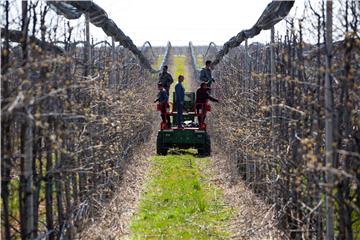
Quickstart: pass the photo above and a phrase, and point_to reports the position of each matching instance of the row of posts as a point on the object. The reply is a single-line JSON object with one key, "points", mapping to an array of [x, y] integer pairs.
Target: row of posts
{"points": [[88, 55], [329, 178]]}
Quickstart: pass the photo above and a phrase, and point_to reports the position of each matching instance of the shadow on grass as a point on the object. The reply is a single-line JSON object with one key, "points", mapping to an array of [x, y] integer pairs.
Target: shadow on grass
{"points": [[176, 151], [193, 152]]}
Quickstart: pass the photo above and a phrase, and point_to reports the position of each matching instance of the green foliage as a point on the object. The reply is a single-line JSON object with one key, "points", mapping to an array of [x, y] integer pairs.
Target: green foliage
{"points": [[179, 202]]}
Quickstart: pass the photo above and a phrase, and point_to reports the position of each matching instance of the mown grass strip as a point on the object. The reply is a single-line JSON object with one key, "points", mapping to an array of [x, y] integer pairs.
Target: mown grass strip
{"points": [[178, 68], [179, 202]]}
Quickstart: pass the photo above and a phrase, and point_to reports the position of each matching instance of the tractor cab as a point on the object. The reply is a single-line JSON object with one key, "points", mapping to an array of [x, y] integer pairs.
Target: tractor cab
{"points": [[192, 135]]}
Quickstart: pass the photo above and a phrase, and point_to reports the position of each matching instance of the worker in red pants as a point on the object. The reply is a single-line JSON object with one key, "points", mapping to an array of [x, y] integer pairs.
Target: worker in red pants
{"points": [[163, 100], [202, 97]]}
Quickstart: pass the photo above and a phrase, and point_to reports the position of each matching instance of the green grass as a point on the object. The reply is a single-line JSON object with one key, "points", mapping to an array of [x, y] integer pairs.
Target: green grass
{"points": [[179, 202], [179, 66]]}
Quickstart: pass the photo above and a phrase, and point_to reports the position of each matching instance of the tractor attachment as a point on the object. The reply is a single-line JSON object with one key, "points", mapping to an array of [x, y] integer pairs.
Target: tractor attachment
{"points": [[192, 135]]}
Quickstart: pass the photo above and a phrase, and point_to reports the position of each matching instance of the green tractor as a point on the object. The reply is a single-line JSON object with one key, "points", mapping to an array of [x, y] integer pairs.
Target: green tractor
{"points": [[192, 135]]}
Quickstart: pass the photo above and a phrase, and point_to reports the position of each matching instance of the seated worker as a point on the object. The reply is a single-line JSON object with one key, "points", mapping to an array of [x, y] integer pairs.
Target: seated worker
{"points": [[163, 99], [179, 98], [202, 97]]}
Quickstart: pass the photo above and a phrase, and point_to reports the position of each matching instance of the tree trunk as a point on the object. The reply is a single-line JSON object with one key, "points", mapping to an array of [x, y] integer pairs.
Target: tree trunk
{"points": [[344, 127], [5, 176], [26, 189], [329, 126], [59, 188], [5, 133], [49, 188], [5, 53], [37, 176]]}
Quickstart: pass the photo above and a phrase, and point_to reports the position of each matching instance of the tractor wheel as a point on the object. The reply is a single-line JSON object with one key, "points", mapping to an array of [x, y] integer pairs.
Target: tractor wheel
{"points": [[205, 151], [201, 152], [207, 148], [160, 150]]}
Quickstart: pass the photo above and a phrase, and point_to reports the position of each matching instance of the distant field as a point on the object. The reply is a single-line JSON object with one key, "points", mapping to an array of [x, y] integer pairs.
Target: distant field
{"points": [[200, 60], [178, 68], [157, 64]]}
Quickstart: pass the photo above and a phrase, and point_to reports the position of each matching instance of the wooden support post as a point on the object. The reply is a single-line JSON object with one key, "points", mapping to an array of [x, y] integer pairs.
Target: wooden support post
{"points": [[87, 49], [248, 164], [112, 78], [273, 102]]}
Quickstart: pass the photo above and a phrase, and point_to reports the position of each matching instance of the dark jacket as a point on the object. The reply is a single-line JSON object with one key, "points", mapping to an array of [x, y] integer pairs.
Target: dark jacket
{"points": [[166, 79], [202, 95], [205, 76], [162, 97], [179, 93]]}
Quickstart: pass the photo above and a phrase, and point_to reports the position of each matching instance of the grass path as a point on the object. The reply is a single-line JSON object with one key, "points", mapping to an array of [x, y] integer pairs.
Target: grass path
{"points": [[179, 202]]}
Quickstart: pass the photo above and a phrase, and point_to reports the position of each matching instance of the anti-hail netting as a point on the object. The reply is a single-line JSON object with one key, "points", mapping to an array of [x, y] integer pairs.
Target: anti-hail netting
{"points": [[273, 13]]}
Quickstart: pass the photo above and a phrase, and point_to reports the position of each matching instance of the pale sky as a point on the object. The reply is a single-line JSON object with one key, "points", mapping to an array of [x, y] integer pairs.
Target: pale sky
{"points": [[159, 21], [199, 21]]}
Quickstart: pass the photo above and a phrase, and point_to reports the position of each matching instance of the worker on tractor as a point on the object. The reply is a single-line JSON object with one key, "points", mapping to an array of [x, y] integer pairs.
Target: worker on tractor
{"points": [[163, 100], [202, 97], [179, 99], [205, 74], [165, 79]]}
